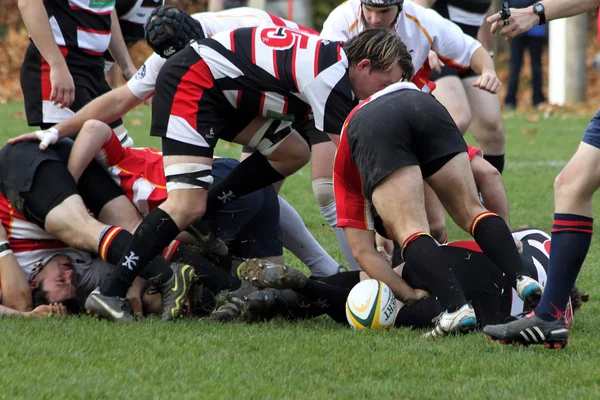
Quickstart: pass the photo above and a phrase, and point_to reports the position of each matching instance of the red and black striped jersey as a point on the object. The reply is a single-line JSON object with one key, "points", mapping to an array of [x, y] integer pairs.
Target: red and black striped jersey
{"points": [[281, 73], [133, 15], [81, 24]]}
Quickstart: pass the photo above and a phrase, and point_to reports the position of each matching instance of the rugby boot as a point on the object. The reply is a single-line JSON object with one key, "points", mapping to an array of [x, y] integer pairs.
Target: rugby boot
{"points": [[207, 241], [531, 330], [174, 291], [462, 320], [112, 308], [232, 308], [265, 274], [529, 290]]}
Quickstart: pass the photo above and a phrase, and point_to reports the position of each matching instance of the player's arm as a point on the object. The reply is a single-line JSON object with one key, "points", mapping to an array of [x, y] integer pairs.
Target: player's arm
{"points": [[16, 293], [106, 108], [484, 36], [118, 49], [483, 64], [361, 243], [35, 18], [490, 185], [91, 139], [523, 19]]}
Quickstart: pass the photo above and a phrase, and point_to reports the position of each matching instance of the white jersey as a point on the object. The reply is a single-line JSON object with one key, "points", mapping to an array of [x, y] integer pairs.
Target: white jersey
{"points": [[142, 84], [421, 29], [33, 246]]}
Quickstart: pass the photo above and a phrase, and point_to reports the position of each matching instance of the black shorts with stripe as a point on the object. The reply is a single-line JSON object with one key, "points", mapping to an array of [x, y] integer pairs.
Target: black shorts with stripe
{"points": [[88, 76], [189, 109], [402, 128], [35, 181]]}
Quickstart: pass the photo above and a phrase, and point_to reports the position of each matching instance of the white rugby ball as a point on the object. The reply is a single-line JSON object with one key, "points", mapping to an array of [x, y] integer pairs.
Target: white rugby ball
{"points": [[371, 305]]}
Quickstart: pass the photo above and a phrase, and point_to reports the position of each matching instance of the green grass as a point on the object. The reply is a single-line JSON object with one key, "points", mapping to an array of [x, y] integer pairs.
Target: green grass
{"points": [[84, 358]]}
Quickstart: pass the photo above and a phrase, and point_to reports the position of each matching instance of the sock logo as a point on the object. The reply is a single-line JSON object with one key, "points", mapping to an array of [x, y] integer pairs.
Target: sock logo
{"points": [[558, 313], [226, 197], [131, 261]]}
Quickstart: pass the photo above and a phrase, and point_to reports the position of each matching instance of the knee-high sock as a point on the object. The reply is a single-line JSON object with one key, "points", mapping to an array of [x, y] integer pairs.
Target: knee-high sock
{"points": [[496, 161], [421, 251], [493, 236], [571, 238], [153, 234], [346, 250], [250, 175], [113, 243], [298, 240]]}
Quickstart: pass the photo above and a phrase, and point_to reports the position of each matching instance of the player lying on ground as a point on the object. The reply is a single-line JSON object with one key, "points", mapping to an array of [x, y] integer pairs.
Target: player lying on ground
{"points": [[573, 192], [390, 144], [37, 186], [291, 295]]}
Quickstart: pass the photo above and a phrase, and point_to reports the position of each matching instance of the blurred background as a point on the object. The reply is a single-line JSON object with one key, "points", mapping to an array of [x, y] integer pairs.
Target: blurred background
{"points": [[14, 40]]}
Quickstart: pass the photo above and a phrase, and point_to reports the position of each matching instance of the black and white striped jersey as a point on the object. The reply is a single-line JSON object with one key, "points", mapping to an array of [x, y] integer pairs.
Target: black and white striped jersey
{"points": [[281, 73], [81, 25]]}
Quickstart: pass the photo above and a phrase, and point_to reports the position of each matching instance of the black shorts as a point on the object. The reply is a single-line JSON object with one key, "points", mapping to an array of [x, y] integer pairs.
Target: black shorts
{"points": [[189, 108], [88, 76], [249, 224], [406, 127], [35, 182], [447, 71]]}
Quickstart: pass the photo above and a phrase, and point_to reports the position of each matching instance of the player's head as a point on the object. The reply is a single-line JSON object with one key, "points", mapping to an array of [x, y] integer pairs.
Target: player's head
{"points": [[376, 58], [54, 280], [380, 13], [169, 29]]}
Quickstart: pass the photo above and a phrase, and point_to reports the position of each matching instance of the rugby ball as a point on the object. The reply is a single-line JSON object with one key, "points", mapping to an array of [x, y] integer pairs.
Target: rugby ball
{"points": [[371, 305]]}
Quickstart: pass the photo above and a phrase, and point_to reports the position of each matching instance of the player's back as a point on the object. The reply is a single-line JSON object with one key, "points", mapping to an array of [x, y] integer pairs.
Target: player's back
{"points": [[235, 18]]}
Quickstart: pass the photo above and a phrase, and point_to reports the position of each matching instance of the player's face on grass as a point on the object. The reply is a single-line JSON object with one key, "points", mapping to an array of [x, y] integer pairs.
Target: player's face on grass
{"points": [[379, 17], [58, 279], [366, 81]]}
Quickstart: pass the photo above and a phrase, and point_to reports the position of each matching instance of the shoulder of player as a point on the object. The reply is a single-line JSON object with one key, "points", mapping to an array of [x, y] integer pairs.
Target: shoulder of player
{"points": [[425, 19], [345, 16]]}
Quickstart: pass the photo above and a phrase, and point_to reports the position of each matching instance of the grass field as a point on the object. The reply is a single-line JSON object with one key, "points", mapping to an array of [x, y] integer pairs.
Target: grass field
{"points": [[84, 358]]}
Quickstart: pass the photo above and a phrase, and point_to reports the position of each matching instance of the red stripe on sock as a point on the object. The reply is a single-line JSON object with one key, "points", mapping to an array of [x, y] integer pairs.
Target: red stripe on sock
{"points": [[170, 250], [559, 230], [107, 240], [412, 238], [575, 223], [479, 218]]}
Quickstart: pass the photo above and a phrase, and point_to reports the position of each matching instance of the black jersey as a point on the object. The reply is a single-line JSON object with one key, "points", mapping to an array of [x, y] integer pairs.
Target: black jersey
{"points": [[467, 14]]}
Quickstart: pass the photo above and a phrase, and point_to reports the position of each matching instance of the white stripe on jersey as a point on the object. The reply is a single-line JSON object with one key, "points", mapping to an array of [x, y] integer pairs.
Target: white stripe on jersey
{"points": [[242, 17], [56, 32], [94, 41], [465, 17], [142, 189], [86, 5], [179, 129], [219, 66], [232, 97], [138, 14]]}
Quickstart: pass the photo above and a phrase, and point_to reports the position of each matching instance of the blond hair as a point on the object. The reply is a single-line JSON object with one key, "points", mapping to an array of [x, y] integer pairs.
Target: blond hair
{"points": [[383, 47]]}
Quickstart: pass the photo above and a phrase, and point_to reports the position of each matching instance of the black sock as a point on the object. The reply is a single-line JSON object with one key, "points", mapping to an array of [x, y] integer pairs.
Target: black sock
{"points": [[345, 280], [493, 236], [250, 175], [153, 234], [496, 161], [211, 276], [329, 298], [114, 242], [421, 251]]}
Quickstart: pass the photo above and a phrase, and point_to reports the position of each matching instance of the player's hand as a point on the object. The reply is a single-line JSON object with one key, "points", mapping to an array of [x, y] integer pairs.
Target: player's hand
{"points": [[489, 82], [521, 20], [63, 87], [48, 310], [46, 137], [3, 234], [434, 61], [129, 73], [148, 101]]}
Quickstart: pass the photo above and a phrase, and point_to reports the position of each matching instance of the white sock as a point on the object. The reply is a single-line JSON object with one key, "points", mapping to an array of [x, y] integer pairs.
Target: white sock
{"points": [[345, 247], [298, 240], [330, 214]]}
